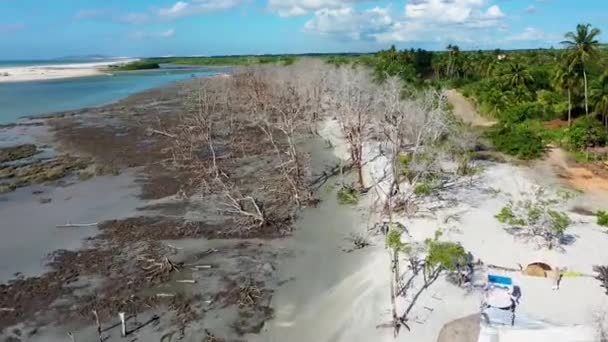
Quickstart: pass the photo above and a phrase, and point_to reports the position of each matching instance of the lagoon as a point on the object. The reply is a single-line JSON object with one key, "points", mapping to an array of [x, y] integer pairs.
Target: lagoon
{"points": [[33, 98]]}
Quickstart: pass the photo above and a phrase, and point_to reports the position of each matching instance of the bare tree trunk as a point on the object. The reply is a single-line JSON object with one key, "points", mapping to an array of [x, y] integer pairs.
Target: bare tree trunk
{"points": [[569, 108], [586, 98]]}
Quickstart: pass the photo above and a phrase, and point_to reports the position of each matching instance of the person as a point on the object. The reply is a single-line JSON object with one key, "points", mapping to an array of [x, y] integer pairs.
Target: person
{"points": [[557, 279], [516, 294]]}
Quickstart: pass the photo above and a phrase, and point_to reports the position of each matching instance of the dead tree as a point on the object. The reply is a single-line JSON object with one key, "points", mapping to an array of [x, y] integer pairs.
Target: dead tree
{"points": [[352, 99]]}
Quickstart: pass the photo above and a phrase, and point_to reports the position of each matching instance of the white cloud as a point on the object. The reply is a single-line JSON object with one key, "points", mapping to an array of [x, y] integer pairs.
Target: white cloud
{"points": [[90, 13], [170, 33], [350, 23], [290, 8], [167, 34], [531, 9], [186, 8], [533, 34], [438, 21], [493, 12]]}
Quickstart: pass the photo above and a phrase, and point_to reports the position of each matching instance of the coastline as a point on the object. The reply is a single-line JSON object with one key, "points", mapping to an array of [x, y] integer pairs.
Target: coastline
{"points": [[56, 71], [311, 288]]}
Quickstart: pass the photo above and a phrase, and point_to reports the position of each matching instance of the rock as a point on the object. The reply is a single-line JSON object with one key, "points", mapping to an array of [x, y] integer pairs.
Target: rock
{"points": [[45, 200]]}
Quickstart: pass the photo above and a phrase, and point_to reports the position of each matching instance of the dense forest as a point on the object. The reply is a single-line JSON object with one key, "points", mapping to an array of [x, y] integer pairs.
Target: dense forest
{"points": [[541, 96]]}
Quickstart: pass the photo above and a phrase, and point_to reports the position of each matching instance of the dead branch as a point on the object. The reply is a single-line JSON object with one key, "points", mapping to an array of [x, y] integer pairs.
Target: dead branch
{"points": [[156, 131]]}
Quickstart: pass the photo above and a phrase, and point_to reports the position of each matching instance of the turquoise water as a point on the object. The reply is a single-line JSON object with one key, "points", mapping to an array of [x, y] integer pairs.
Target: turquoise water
{"points": [[20, 99]]}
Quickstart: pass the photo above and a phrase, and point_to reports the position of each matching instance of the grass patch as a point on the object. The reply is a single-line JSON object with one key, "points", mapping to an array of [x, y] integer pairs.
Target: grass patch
{"points": [[423, 189], [348, 195], [602, 218]]}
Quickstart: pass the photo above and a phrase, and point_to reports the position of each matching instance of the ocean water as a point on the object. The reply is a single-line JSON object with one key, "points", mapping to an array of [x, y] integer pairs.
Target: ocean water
{"points": [[31, 98]]}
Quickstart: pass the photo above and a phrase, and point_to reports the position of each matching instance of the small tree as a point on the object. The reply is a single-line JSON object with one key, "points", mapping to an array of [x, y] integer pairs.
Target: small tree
{"points": [[441, 256], [536, 218]]}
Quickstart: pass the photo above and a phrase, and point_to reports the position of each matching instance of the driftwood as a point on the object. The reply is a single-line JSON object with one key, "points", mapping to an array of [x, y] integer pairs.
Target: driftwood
{"points": [[156, 131], [76, 225], [72, 338], [502, 268], [7, 309], [165, 295], [186, 281], [123, 325], [98, 325], [165, 266]]}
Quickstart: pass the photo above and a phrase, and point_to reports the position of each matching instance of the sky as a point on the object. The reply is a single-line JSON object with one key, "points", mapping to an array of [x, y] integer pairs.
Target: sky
{"points": [[38, 29]]}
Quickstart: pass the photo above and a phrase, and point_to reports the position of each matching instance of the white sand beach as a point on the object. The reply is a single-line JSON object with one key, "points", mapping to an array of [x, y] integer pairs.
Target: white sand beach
{"points": [[55, 71], [352, 309]]}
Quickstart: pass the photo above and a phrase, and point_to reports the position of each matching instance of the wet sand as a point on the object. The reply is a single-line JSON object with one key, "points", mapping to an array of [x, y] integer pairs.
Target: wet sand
{"points": [[30, 227]]}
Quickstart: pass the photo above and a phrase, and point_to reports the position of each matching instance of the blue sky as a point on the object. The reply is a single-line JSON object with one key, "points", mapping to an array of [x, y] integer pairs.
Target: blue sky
{"points": [[39, 29]]}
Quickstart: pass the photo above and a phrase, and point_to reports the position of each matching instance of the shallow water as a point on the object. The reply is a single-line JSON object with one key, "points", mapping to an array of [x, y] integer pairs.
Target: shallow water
{"points": [[20, 99], [318, 265], [29, 228]]}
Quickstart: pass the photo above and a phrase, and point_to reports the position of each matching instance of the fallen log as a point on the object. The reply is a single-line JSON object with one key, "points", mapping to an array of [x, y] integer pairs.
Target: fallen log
{"points": [[76, 225]]}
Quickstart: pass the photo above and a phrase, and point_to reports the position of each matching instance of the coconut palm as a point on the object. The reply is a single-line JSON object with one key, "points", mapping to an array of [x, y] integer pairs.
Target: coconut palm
{"points": [[453, 53], [566, 78], [599, 98], [581, 47], [516, 75]]}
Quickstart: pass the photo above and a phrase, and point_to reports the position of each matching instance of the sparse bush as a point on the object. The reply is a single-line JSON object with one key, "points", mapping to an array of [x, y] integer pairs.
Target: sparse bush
{"points": [[602, 218], [517, 140], [583, 133], [348, 195], [536, 218], [506, 215]]}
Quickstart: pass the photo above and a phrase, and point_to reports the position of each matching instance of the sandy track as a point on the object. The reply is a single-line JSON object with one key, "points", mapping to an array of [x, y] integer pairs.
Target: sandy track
{"points": [[466, 110]]}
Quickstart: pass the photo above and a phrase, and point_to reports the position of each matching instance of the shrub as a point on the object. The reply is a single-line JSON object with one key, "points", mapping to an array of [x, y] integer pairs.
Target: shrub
{"points": [[348, 195], [423, 189], [521, 112], [585, 132], [517, 140], [506, 215], [602, 218]]}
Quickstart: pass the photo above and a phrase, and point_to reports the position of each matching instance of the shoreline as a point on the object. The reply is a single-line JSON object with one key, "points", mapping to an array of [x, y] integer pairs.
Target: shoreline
{"points": [[56, 71]]}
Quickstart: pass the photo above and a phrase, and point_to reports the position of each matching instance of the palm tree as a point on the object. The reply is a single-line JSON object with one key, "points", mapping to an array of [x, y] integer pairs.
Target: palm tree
{"points": [[516, 75], [565, 78], [453, 52], [599, 98], [582, 46]]}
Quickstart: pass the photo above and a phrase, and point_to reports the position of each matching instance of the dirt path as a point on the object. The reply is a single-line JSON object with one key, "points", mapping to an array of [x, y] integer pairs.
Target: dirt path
{"points": [[466, 110], [588, 178]]}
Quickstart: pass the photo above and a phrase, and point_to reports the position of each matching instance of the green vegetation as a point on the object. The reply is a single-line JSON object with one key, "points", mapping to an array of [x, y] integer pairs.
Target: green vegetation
{"points": [[423, 189], [348, 195], [393, 240], [517, 140], [602, 218], [137, 65], [536, 95], [444, 254], [155, 62], [536, 217]]}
